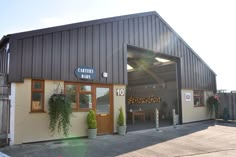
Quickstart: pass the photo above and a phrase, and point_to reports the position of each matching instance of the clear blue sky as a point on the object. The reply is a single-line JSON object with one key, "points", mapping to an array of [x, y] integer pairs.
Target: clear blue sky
{"points": [[208, 26]]}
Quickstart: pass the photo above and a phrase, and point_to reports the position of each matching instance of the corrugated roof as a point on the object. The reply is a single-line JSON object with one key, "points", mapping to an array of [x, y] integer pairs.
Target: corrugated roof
{"points": [[94, 22]]}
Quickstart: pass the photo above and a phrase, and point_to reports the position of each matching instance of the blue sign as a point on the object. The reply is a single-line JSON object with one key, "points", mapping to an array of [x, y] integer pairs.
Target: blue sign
{"points": [[85, 73]]}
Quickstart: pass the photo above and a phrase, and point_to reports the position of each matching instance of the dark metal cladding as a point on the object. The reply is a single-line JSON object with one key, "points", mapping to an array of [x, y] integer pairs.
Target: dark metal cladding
{"points": [[102, 49], [96, 51], [73, 54], [37, 56], [47, 56], [3, 60], [115, 51], [54, 53]]}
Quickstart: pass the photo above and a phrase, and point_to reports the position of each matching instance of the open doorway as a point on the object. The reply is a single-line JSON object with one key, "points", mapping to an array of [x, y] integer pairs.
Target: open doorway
{"points": [[152, 83]]}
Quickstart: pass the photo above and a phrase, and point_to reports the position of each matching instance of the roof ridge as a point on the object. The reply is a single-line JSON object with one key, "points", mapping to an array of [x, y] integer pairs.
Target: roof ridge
{"points": [[86, 23]]}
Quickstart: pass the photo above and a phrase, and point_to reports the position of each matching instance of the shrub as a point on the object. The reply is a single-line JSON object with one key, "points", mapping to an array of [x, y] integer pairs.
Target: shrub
{"points": [[121, 119], [91, 120]]}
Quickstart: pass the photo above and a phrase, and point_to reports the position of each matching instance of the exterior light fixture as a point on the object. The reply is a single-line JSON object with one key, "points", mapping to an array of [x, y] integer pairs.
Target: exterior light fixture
{"points": [[162, 60], [129, 67], [105, 74]]}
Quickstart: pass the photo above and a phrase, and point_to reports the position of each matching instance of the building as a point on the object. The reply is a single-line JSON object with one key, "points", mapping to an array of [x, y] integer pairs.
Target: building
{"points": [[136, 61]]}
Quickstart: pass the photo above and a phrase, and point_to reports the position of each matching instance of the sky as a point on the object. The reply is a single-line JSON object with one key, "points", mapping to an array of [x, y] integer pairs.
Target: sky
{"points": [[208, 26]]}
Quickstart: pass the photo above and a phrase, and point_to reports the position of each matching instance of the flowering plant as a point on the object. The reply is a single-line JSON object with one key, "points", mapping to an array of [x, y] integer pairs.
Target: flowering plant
{"points": [[212, 105]]}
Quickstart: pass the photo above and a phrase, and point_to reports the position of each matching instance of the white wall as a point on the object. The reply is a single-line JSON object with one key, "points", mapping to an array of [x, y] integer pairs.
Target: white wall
{"points": [[119, 101], [12, 113], [191, 113]]}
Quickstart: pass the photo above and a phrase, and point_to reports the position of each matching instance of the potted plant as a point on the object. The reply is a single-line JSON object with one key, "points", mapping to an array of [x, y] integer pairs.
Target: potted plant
{"points": [[121, 123], [92, 125]]}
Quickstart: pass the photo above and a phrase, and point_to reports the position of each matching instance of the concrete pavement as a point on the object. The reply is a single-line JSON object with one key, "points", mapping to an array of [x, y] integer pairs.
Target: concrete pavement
{"points": [[195, 139]]}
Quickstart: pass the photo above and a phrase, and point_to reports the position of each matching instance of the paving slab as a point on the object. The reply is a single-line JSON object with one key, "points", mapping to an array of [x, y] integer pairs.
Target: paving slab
{"points": [[194, 139]]}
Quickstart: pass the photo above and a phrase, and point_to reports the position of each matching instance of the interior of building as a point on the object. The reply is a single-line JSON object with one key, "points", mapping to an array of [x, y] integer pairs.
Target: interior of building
{"points": [[152, 85]]}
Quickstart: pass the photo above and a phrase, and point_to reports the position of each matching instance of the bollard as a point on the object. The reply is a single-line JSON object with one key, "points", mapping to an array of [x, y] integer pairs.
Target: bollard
{"points": [[174, 119], [157, 120]]}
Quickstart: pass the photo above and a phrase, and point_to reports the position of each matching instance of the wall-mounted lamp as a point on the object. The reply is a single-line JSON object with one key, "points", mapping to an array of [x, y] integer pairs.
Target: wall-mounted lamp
{"points": [[105, 74]]}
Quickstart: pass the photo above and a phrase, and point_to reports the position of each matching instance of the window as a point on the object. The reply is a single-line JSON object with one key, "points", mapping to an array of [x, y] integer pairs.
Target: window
{"points": [[37, 96], [102, 100], [71, 92], [80, 95], [199, 98], [85, 97]]}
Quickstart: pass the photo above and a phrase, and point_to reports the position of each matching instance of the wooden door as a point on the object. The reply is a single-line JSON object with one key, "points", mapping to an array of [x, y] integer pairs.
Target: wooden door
{"points": [[104, 109]]}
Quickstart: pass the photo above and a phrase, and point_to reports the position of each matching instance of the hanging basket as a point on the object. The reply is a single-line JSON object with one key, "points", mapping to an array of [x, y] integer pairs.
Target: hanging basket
{"points": [[60, 112]]}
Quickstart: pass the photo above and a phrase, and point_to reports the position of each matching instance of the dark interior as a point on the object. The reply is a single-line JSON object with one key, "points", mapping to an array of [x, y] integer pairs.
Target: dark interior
{"points": [[150, 76]]}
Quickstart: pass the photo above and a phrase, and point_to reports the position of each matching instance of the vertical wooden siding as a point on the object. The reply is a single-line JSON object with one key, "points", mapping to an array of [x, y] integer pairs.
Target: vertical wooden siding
{"points": [[55, 55]]}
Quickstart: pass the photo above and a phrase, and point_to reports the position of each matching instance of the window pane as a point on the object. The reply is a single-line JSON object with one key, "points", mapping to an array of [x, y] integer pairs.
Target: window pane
{"points": [[85, 101], [37, 85], [103, 100], [37, 101], [71, 94], [85, 88], [198, 98]]}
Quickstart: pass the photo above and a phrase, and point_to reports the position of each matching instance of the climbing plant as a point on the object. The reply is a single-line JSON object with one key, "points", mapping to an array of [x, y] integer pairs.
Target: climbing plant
{"points": [[212, 105], [60, 112]]}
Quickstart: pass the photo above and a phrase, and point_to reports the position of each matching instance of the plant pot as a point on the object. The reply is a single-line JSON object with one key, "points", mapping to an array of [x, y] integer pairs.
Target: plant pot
{"points": [[92, 133], [122, 130]]}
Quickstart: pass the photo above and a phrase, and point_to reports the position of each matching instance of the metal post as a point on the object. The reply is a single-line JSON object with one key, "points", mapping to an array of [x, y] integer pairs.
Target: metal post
{"points": [[174, 119], [157, 120]]}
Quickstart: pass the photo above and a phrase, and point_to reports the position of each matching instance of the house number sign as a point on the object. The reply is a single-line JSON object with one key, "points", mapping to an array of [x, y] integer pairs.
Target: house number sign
{"points": [[120, 92]]}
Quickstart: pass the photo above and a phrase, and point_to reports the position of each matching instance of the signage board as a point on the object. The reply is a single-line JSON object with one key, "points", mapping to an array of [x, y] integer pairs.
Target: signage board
{"points": [[85, 73], [187, 97]]}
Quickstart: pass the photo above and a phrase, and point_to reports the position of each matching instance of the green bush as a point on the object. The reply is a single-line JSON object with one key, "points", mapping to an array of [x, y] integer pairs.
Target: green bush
{"points": [[212, 105], [121, 119], [91, 120], [60, 112]]}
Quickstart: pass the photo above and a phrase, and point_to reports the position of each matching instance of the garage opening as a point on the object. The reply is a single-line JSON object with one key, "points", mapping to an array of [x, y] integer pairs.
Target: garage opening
{"points": [[152, 84]]}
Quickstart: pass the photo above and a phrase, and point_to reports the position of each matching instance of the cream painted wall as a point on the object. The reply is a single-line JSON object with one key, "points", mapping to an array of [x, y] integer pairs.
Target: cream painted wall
{"points": [[119, 101], [30, 127], [191, 113], [12, 112]]}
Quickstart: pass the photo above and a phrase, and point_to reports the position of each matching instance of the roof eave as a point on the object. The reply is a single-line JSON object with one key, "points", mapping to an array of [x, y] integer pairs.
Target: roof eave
{"points": [[4, 40]]}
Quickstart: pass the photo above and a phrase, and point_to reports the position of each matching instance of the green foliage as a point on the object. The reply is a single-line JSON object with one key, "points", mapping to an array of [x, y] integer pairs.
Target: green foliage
{"points": [[91, 120], [60, 112], [212, 105], [121, 119]]}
